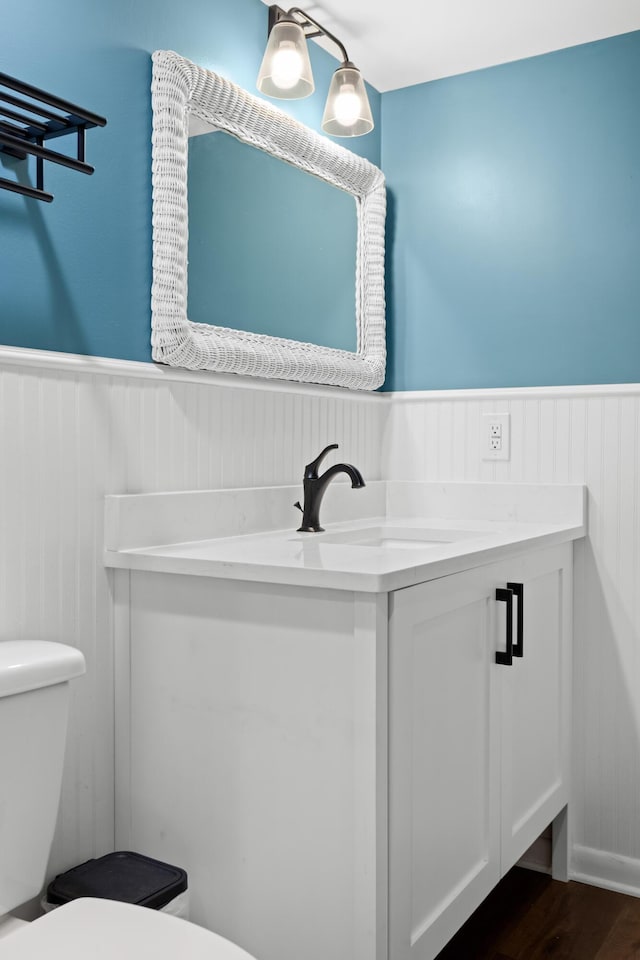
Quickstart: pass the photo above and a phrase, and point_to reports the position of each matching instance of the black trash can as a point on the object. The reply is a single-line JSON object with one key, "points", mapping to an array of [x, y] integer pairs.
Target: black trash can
{"points": [[125, 876]]}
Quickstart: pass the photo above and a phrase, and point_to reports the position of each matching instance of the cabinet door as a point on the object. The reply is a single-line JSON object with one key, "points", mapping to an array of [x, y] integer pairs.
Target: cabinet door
{"points": [[444, 791], [536, 702]]}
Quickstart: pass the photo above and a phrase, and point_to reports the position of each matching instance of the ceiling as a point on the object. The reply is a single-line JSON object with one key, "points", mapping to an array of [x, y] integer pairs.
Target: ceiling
{"points": [[420, 40]]}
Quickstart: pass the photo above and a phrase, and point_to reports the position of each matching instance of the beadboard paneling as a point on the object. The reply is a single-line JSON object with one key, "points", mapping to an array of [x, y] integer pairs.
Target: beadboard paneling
{"points": [[591, 436], [72, 430]]}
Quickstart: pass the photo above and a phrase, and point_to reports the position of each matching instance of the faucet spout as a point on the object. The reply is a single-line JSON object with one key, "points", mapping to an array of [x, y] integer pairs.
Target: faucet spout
{"points": [[315, 487], [352, 472]]}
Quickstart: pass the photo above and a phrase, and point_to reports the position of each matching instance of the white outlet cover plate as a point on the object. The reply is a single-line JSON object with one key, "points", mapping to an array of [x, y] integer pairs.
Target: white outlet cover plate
{"points": [[489, 421]]}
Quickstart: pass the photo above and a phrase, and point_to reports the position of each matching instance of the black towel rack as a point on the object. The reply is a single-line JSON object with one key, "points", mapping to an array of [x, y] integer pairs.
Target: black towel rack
{"points": [[24, 131]]}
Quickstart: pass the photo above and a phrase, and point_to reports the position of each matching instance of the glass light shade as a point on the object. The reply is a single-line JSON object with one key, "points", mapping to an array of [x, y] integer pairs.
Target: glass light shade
{"points": [[347, 112], [285, 72]]}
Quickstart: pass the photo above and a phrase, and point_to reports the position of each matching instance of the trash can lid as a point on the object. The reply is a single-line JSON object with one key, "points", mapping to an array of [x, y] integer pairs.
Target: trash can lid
{"points": [[125, 876]]}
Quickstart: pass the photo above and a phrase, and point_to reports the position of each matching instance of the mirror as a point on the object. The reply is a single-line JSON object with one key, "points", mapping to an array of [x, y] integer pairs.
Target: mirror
{"points": [[293, 235], [281, 229]]}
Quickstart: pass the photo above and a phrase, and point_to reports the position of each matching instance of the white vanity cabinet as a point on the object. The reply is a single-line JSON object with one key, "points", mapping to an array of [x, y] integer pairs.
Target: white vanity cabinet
{"points": [[478, 750], [342, 774]]}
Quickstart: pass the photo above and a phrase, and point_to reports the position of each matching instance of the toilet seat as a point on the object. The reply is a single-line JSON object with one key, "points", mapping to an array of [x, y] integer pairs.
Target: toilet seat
{"points": [[110, 930]]}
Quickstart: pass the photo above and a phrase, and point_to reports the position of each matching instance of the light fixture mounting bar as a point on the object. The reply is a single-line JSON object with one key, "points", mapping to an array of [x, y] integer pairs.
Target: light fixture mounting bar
{"points": [[276, 13], [310, 26]]}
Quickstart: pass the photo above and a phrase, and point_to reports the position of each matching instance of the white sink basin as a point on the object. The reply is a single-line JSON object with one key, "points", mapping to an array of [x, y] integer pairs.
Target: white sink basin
{"points": [[391, 537]]}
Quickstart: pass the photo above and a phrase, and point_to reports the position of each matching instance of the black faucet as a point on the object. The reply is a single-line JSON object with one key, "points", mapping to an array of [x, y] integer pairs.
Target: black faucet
{"points": [[315, 486]]}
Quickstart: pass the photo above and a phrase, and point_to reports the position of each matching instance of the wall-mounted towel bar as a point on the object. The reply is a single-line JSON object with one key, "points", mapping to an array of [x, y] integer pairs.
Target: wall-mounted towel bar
{"points": [[23, 131]]}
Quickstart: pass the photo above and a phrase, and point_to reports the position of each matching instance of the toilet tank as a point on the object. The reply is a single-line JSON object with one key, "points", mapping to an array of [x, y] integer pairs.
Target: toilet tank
{"points": [[34, 700]]}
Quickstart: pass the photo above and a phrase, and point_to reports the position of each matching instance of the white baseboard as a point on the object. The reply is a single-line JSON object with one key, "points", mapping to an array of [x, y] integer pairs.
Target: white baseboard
{"points": [[609, 870], [538, 856], [532, 865]]}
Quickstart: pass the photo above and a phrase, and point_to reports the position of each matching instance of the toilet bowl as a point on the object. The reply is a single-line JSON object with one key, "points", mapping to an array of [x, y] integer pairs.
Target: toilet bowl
{"points": [[109, 930], [34, 696]]}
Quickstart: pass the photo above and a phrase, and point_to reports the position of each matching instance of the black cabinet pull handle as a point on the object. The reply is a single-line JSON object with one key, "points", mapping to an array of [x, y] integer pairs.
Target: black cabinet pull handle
{"points": [[506, 657], [518, 591]]}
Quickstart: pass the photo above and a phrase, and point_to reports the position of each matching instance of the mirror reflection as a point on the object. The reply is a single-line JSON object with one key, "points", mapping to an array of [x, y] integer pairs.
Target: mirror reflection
{"points": [[272, 249]]}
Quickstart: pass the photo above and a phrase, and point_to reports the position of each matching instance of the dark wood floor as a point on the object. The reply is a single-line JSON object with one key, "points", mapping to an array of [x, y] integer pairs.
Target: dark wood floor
{"points": [[531, 917]]}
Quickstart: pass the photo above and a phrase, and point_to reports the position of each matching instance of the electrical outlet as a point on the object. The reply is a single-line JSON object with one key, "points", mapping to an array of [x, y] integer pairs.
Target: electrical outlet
{"points": [[496, 436]]}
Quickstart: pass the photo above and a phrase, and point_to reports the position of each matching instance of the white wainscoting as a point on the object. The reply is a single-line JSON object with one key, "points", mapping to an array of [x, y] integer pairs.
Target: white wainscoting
{"points": [[73, 429], [585, 435]]}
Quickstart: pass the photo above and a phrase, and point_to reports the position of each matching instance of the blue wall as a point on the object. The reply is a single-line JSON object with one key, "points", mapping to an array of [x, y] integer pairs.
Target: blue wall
{"points": [[75, 275], [515, 223]]}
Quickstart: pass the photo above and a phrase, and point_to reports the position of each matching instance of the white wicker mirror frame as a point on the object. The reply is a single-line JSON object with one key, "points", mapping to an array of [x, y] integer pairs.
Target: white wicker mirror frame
{"points": [[180, 88]]}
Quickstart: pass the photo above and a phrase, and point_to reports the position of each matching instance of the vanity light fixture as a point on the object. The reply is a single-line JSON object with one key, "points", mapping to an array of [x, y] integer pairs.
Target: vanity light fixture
{"points": [[285, 73]]}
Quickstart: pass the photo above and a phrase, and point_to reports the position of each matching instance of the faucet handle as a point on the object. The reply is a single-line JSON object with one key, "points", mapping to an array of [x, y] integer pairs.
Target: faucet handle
{"points": [[297, 504], [311, 469]]}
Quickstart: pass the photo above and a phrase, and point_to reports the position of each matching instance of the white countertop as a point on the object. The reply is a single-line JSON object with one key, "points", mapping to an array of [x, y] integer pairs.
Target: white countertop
{"points": [[517, 517]]}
